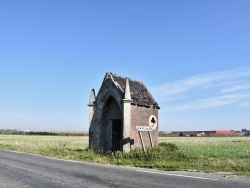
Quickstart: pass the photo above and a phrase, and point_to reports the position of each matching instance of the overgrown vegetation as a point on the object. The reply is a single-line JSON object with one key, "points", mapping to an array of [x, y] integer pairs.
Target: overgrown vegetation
{"points": [[230, 154]]}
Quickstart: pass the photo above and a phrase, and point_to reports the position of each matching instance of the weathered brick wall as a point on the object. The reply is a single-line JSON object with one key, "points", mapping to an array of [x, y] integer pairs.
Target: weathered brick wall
{"points": [[140, 116]]}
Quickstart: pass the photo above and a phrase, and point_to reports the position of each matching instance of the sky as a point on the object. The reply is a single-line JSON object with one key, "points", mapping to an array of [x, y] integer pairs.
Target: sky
{"points": [[193, 56]]}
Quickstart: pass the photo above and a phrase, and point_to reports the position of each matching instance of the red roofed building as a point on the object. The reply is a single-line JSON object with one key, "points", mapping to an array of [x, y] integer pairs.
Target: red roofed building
{"points": [[224, 132]]}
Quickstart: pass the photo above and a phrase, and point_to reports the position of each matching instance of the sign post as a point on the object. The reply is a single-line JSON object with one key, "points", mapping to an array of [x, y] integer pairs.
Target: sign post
{"points": [[144, 128]]}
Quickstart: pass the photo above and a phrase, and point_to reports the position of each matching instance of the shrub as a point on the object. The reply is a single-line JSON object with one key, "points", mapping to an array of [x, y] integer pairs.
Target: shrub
{"points": [[193, 134], [247, 134], [168, 146]]}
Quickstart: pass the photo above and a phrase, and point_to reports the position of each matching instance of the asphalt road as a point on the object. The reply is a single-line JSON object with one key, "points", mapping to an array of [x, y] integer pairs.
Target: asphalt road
{"points": [[29, 170]]}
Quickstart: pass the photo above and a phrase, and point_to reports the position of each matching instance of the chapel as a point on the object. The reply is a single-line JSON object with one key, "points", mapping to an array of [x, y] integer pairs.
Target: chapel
{"points": [[121, 105]]}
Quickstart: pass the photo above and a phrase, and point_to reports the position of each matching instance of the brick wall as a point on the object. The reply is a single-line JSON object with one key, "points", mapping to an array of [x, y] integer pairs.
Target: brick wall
{"points": [[140, 116]]}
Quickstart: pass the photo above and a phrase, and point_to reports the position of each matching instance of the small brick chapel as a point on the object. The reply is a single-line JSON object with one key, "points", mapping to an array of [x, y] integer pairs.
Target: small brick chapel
{"points": [[120, 106]]}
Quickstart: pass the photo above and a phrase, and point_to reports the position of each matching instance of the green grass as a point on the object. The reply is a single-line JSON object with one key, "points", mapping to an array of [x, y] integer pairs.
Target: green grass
{"points": [[212, 146], [230, 154], [211, 154]]}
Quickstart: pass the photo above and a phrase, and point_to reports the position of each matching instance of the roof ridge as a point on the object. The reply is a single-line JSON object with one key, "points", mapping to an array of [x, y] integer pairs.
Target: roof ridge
{"points": [[130, 79], [115, 82]]}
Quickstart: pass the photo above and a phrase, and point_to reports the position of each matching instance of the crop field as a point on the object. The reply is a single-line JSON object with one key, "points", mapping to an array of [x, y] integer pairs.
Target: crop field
{"points": [[230, 147], [210, 154]]}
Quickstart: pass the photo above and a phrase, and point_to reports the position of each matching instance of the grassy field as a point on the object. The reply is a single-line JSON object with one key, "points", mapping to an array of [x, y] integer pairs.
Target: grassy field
{"points": [[211, 154]]}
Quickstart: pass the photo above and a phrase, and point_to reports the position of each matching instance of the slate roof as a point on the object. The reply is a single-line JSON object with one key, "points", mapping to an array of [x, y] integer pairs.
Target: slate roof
{"points": [[139, 93]]}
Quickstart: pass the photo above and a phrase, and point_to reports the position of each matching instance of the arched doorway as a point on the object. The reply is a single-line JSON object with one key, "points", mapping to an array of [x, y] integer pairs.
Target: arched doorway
{"points": [[112, 129]]}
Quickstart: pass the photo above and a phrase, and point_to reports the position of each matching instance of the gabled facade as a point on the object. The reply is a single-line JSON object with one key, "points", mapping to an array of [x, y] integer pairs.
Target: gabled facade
{"points": [[120, 105]]}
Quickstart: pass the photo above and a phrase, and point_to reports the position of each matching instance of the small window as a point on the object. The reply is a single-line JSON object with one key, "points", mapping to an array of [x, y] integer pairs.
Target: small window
{"points": [[153, 122]]}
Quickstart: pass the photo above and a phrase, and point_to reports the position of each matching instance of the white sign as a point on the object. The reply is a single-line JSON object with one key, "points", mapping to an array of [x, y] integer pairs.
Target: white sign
{"points": [[144, 128]]}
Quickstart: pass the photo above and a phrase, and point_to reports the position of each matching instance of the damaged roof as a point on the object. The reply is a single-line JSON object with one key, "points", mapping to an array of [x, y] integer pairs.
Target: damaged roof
{"points": [[139, 93]]}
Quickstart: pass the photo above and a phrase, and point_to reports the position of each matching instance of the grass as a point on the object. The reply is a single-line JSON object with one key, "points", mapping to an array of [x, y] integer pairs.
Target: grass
{"points": [[229, 154], [211, 154]]}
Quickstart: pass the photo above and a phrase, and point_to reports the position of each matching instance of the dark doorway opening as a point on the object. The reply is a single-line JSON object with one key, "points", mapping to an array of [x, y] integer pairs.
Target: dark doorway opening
{"points": [[116, 134]]}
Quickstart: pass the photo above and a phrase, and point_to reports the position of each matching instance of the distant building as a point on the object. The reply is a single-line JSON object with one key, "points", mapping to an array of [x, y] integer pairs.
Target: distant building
{"points": [[229, 132], [120, 105], [219, 132]]}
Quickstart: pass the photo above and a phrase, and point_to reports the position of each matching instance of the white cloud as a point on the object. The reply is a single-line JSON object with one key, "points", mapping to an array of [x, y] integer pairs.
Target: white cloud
{"points": [[235, 88], [165, 91], [222, 100], [209, 102], [174, 98], [215, 89]]}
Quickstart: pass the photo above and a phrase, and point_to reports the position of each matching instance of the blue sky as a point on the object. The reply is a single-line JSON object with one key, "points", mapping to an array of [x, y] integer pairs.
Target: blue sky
{"points": [[194, 56]]}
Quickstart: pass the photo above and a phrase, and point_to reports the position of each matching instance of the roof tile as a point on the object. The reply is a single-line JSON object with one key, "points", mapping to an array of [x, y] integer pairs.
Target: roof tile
{"points": [[139, 93]]}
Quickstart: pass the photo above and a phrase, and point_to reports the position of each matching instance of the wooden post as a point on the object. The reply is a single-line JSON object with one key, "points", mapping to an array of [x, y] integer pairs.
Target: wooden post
{"points": [[142, 143], [150, 138]]}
